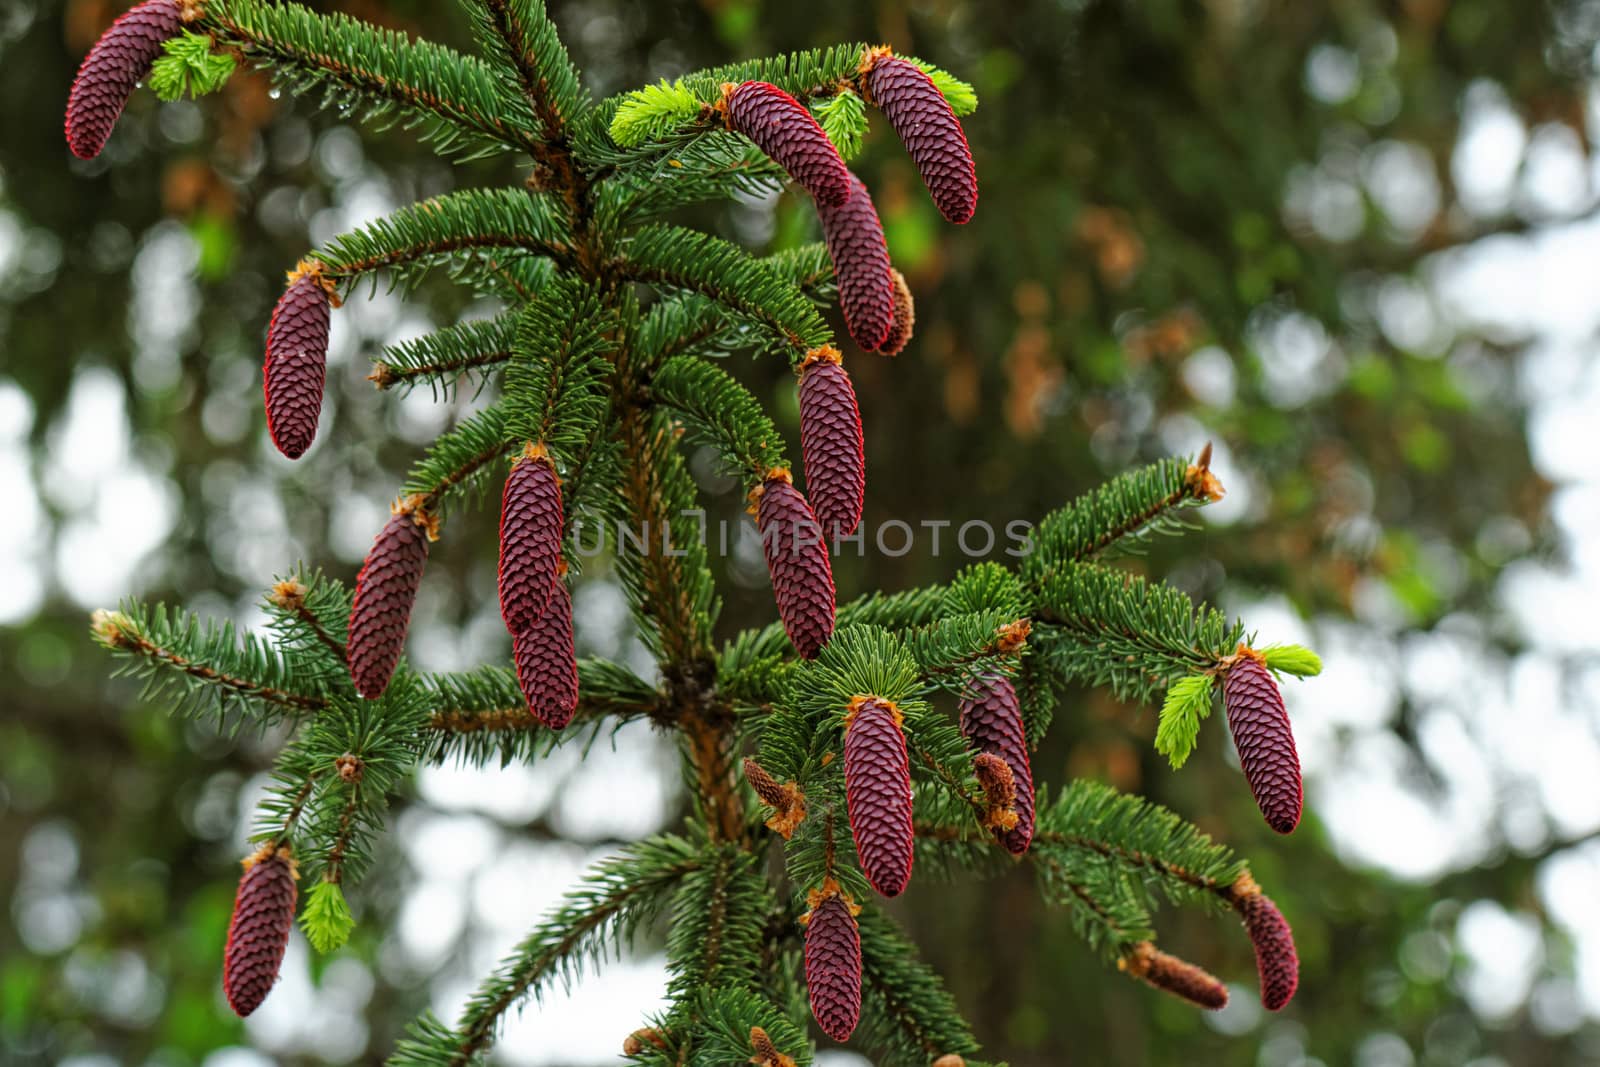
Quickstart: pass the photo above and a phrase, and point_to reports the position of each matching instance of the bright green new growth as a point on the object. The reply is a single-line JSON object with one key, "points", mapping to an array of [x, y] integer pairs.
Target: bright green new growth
{"points": [[326, 917], [604, 350], [190, 67], [1292, 659], [1188, 701], [843, 117]]}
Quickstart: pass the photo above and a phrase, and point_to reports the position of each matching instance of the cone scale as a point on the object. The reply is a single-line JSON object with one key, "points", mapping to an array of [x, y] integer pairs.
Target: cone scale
{"points": [[831, 444], [933, 136], [258, 933], [797, 560], [386, 589], [877, 784], [860, 254], [1261, 734], [904, 322], [782, 128], [117, 63]]}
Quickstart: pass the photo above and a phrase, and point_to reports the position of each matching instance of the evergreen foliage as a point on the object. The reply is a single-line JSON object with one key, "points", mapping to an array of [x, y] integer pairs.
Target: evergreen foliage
{"points": [[613, 384]]}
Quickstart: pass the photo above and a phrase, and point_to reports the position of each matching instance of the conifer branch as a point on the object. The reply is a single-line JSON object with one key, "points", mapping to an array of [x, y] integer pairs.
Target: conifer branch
{"points": [[459, 460], [619, 896], [383, 70], [203, 657], [907, 1015], [719, 411], [443, 357]]}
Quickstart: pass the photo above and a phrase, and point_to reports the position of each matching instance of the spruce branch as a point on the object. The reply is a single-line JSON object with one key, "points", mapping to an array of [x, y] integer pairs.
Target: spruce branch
{"points": [[469, 231], [558, 381], [699, 263], [617, 897], [1107, 627], [522, 42], [444, 357], [199, 665], [907, 1016], [460, 460], [720, 412], [454, 98]]}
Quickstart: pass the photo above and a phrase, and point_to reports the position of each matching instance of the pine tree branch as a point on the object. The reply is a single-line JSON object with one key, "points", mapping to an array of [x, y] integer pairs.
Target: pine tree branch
{"points": [[447, 354], [616, 899], [382, 69], [189, 651]]}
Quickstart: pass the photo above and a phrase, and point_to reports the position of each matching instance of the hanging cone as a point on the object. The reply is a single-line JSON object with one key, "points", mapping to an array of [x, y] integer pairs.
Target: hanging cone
{"points": [[386, 589], [877, 783], [783, 129], [833, 962], [263, 912], [297, 360], [117, 63], [920, 115], [831, 444], [1261, 734]]}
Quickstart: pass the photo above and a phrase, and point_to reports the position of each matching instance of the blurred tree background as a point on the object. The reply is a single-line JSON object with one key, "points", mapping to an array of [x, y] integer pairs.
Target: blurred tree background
{"points": [[1349, 241]]}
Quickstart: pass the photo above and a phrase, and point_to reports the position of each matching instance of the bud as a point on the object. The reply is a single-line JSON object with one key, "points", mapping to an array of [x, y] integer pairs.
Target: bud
{"points": [[877, 783], [297, 360], [1261, 733], [118, 62], [1276, 960], [635, 1042], [763, 1053], [530, 538], [788, 804], [385, 590], [797, 560], [860, 265], [1176, 976], [830, 443], [991, 719], [547, 665], [905, 317], [949, 1059], [999, 791], [833, 962], [263, 912], [782, 128], [920, 115]]}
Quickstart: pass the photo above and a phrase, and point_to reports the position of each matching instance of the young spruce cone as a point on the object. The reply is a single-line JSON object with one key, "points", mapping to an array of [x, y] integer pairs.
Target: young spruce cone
{"points": [[830, 443], [385, 590], [1276, 960], [905, 317], [1261, 733], [782, 128], [297, 360], [263, 912], [119, 60], [530, 538], [861, 264], [920, 115], [797, 559], [1176, 976], [991, 718], [833, 962], [547, 666], [763, 1053], [877, 784]]}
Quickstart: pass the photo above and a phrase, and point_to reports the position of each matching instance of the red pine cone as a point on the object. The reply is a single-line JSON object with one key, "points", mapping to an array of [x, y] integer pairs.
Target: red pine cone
{"points": [[263, 912], [1261, 733], [385, 590], [861, 264], [877, 784], [297, 359], [530, 538], [833, 967], [797, 560], [547, 665], [119, 60], [991, 718], [920, 115], [782, 128], [1276, 960], [830, 442], [905, 317]]}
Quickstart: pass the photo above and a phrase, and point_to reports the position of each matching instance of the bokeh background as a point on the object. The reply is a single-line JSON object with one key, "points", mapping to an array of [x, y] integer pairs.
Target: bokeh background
{"points": [[1354, 243]]}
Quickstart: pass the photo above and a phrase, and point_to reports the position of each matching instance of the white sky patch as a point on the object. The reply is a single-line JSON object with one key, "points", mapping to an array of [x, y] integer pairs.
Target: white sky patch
{"points": [[1503, 951]]}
